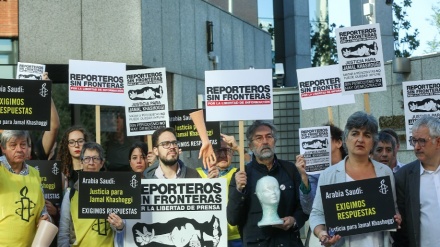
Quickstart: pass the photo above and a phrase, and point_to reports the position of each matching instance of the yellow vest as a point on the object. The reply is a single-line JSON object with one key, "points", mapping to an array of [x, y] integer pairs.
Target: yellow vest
{"points": [[233, 233], [90, 232], [21, 204]]}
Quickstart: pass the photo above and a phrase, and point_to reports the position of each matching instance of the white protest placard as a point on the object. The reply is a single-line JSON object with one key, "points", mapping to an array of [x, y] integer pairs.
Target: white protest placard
{"points": [[146, 101], [420, 98], [96, 83], [315, 146], [360, 59], [177, 212], [238, 94], [30, 71], [321, 87]]}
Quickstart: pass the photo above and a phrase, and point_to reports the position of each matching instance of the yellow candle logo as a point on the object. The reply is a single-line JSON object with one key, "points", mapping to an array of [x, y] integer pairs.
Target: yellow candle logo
{"points": [[26, 205], [101, 227]]}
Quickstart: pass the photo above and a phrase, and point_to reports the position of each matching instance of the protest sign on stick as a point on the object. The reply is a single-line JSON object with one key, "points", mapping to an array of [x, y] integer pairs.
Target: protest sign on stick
{"points": [[237, 95]]}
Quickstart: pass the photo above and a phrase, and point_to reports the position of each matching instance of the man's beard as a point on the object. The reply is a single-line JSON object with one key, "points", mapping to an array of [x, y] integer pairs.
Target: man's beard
{"points": [[266, 155], [169, 162]]}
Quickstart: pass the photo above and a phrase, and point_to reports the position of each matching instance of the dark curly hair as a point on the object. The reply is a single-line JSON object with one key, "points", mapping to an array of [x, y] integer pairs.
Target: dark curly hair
{"points": [[63, 154]]}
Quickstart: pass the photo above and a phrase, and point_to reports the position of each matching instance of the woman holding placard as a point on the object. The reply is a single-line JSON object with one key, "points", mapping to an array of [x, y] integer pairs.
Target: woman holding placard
{"points": [[86, 232], [359, 136]]}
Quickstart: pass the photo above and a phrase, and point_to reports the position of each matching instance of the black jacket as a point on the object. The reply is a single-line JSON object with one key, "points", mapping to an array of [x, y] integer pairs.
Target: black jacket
{"points": [[244, 209], [408, 202]]}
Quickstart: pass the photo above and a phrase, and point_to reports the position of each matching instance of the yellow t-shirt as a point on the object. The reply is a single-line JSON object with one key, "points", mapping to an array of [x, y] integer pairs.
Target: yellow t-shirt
{"points": [[21, 204], [90, 232]]}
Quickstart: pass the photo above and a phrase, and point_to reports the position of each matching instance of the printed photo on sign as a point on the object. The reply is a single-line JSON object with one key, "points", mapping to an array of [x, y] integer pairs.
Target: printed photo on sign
{"points": [[25, 104], [315, 146], [30, 71], [420, 98], [359, 207], [180, 212], [102, 193], [187, 133], [238, 94], [321, 87], [50, 173], [96, 83], [361, 62], [146, 101]]}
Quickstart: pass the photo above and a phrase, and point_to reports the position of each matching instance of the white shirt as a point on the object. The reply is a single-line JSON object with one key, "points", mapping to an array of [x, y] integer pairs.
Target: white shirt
{"points": [[365, 239], [429, 207], [160, 174]]}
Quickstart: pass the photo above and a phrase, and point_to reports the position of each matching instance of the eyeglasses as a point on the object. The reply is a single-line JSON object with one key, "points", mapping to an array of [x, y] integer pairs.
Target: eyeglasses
{"points": [[167, 144], [223, 151], [421, 141], [73, 143], [260, 139], [95, 160]]}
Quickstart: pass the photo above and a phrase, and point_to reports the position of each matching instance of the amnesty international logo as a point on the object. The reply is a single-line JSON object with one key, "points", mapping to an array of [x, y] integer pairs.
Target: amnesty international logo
{"points": [[43, 90], [25, 205], [55, 169], [133, 182], [101, 227], [383, 188]]}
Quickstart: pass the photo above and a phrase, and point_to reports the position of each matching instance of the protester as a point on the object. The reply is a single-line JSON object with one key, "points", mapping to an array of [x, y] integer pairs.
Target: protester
{"points": [[244, 209], [137, 157], [21, 192], [418, 186], [166, 149], [83, 232], [223, 169], [396, 165], [69, 152], [359, 135], [384, 150]]}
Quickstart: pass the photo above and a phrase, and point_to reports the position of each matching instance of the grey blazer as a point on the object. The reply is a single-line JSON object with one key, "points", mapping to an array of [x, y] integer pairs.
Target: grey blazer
{"points": [[408, 201], [336, 174]]}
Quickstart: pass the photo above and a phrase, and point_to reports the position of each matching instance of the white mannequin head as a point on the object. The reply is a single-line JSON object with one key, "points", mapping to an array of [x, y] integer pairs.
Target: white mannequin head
{"points": [[268, 193]]}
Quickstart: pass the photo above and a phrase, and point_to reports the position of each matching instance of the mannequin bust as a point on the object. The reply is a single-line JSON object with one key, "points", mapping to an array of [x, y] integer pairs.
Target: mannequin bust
{"points": [[268, 193]]}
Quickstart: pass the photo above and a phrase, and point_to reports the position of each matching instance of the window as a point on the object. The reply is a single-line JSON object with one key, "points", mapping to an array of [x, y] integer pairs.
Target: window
{"points": [[8, 58]]}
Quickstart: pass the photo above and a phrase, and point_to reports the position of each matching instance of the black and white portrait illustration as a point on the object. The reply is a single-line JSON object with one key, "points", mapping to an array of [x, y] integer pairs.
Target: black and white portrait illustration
{"points": [[425, 105], [315, 144], [179, 232], [146, 93], [360, 50]]}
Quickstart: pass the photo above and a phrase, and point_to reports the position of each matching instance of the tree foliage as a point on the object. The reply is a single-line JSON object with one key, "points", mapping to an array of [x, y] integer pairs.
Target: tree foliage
{"points": [[405, 42], [323, 43], [269, 28], [434, 45]]}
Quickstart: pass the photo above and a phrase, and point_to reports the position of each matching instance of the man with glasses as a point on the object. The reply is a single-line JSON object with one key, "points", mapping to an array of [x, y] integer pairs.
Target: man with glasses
{"points": [[244, 209], [21, 196], [166, 149], [418, 188]]}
